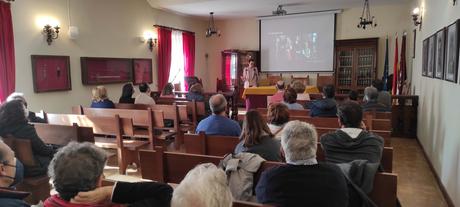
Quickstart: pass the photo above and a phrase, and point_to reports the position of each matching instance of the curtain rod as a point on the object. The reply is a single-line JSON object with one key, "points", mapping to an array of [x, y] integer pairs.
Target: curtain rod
{"points": [[172, 28]]}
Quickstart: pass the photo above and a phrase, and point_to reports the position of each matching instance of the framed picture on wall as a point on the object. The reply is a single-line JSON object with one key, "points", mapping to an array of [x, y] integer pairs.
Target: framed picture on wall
{"points": [[452, 43], [142, 70], [440, 52], [425, 57], [431, 55], [51, 73], [97, 70]]}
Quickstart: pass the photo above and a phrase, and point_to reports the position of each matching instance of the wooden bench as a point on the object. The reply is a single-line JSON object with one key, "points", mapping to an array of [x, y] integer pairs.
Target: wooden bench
{"points": [[39, 186], [61, 134], [209, 144], [171, 167], [292, 112], [145, 120], [111, 126], [221, 145]]}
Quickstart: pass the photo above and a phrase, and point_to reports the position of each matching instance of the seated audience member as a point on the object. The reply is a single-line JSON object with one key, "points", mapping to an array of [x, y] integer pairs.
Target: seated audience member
{"points": [[277, 117], [78, 186], [299, 88], [13, 122], [168, 91], [100, 98], [144, 95], [384, 97], [279, 95], [353, 96], [290, 100], [11, 173], [371, 97], [195, 93], [127, 94], [31, 115], [326, 107], [256, 138], [218, 123], [204, 186], [302, 181], [351, 142]]}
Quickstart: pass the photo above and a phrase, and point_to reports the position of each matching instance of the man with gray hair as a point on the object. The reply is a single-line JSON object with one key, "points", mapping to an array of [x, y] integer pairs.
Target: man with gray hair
{"points": [[302, 181], [218, 123], [371, 95], [204, 186], [77, 172]]}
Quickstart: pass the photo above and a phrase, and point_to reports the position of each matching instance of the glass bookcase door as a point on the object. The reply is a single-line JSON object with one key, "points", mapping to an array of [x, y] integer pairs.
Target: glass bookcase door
{"points": [[365, 67], [345, 68]]}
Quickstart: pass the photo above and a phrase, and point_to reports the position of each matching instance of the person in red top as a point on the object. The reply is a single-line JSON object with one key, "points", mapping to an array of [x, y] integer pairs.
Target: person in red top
{"points": [[278, 97]]}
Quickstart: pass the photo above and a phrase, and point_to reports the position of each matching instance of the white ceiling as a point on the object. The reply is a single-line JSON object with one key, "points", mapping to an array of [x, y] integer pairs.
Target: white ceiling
{"points": [[228, 9]]}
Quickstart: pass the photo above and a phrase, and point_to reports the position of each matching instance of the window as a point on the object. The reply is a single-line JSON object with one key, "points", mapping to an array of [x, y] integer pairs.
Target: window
{"points": [[177, 74]]}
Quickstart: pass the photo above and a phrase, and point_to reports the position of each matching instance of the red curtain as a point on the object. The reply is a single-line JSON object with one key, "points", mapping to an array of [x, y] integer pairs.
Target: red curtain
{"points": [[188, 40], [7, 65], [164, 56], [228, 78]]}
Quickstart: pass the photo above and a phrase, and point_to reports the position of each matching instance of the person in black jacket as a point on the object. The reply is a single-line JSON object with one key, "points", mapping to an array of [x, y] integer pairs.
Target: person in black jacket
{"points": [[371, 95], [127, 94], [77, 171], [30, 114], [13, 122], [326, 107], [302, 181], [351, 142]]}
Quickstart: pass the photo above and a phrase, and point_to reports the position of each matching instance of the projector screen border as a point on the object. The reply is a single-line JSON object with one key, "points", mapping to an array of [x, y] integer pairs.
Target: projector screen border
{"points": [[260, 18]]}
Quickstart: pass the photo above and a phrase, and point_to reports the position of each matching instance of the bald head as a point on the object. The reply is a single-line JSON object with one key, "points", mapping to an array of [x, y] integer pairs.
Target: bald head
{"points": [[218, 104]]}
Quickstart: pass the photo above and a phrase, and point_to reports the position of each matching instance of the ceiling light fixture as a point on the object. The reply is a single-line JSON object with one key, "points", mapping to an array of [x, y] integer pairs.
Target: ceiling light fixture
{"points": [[212, 27], [366, 18]]}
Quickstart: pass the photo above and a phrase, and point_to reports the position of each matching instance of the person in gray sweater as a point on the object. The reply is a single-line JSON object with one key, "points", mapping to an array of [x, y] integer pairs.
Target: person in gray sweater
{"points": [[257, 138], [384, 96], [351, 142]]}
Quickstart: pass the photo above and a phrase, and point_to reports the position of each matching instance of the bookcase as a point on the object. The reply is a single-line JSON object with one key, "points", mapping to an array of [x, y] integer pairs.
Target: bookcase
{"points": [[355, 64]]}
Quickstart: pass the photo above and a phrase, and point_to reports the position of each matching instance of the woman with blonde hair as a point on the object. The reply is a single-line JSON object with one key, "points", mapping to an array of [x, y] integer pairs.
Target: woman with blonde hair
{"points": [[257, 138], [100, 98]]}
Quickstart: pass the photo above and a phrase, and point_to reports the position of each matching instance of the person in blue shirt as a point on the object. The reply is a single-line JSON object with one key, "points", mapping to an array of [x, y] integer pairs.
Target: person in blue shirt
{"points": [[11, 173], [100, 98], [218, 123]]}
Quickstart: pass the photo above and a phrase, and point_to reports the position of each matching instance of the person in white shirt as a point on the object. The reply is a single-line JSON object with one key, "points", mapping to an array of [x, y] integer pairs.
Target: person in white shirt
{"points": [[250, 75], [144, 96]]}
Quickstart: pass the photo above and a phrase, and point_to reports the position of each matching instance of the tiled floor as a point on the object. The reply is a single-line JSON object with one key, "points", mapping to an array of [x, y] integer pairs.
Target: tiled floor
{"points": [[417, 186]]}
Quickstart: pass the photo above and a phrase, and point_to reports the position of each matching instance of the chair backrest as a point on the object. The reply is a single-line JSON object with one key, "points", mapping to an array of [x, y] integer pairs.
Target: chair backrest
{"points": [[303, 80], [22, 149], [62, 135], [209, 144], [139, 117], [322, 81], [292, 112], [326, 122]]}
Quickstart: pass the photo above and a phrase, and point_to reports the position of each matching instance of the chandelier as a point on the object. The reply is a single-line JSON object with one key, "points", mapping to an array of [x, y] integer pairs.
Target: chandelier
{"points": [[211, 27], [366, 18]]}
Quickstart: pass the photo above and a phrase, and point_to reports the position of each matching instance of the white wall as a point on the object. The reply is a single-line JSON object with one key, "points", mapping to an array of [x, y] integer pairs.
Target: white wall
{"points": [[243, 34], [438, 116], [108, 28]]}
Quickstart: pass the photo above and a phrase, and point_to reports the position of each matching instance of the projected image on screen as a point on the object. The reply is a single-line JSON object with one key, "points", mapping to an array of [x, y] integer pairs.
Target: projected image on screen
{"points": [[297, 43]]}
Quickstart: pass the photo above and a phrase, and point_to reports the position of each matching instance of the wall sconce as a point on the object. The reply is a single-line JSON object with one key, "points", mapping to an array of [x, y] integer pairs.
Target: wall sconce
{"points": [[415, 18], [151, 40]]}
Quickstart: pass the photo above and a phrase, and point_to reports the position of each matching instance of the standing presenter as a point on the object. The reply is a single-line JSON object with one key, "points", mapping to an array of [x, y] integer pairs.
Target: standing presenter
{"points": [[250, 75]]}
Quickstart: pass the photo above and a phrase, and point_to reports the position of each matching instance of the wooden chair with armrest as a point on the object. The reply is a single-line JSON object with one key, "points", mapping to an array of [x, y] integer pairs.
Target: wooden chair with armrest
{"points": [[38, 186]]}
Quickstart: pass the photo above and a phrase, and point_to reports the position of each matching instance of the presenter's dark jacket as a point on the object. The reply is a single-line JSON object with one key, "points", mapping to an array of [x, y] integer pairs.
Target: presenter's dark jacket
{"points": [[319, 185], [324, 108]]}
